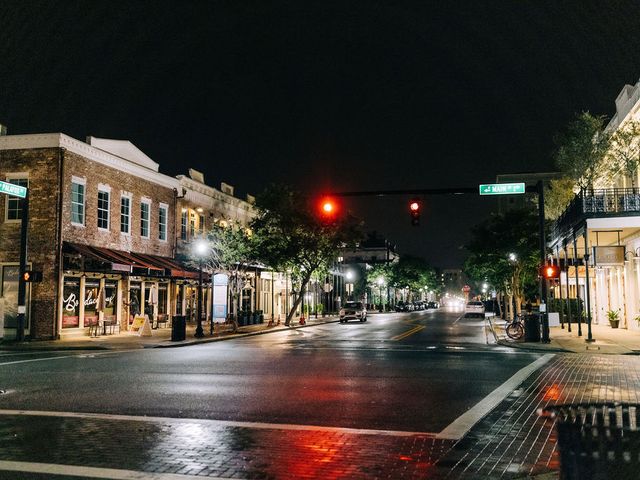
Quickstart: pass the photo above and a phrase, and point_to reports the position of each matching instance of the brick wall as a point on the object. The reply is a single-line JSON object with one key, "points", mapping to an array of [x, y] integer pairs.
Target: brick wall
{"points": [[43, 172], [120, 182]]}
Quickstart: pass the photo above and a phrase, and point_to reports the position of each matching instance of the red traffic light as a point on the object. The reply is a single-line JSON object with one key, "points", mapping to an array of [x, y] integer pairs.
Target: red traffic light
{"points": [[328, 208], [414, 210], [550, 271]]}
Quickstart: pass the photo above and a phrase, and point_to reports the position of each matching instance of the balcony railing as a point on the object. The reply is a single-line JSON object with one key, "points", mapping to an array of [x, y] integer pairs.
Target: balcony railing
{"points": [[606, 202]]}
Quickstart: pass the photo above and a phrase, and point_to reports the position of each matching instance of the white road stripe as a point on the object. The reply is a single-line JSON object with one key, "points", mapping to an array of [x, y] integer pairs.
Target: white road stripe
{"points": [[461, 425], [86, 354], [91, 472], [217, 423]]}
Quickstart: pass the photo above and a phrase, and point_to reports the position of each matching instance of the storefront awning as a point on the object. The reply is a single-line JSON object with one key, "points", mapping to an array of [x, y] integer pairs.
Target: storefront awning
{"points": [[126, 261]]}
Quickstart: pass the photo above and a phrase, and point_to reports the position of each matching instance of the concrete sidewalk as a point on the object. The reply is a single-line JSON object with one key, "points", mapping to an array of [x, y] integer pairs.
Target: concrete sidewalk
{"points": [[160, 338], [607, 340]]}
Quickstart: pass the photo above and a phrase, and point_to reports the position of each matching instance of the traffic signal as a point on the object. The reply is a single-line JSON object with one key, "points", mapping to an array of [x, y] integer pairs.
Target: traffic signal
{"points": [[32, 276], [328, 209], [414, 210], [550, 272]]}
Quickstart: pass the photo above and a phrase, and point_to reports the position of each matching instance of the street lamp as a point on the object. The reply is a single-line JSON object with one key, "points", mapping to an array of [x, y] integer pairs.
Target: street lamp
{"points": [[200, 249], [513, 257]]}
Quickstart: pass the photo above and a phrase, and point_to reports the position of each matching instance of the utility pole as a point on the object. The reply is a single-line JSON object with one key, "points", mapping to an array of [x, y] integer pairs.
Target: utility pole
{"points": [[22, 285], [543, 260]]}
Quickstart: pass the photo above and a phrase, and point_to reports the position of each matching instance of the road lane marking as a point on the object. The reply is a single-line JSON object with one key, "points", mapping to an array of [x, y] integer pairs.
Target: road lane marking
{"points": [[92, 472], [461, 425], [408, 333], [215, 423], [75, 355]]}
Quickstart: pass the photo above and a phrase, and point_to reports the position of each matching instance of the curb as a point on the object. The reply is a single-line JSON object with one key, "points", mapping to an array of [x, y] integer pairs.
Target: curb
{"points": [[30, 346], [236, 335], [531, 348]]}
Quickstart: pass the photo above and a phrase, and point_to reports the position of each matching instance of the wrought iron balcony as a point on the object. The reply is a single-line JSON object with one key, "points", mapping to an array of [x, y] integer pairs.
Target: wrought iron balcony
{"points": [[607, 202]]}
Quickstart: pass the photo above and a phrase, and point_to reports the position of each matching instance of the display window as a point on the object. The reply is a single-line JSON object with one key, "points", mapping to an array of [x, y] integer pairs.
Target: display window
{"points": [[135, 296], [91, 288], [71, 303], [110, 300]]}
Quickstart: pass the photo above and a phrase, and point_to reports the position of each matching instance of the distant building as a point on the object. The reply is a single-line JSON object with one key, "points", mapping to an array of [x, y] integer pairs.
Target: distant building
{"points": [[452, 280], [373, 250]]}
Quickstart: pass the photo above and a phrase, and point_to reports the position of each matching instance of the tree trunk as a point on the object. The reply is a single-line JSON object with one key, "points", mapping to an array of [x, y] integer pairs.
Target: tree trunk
{"points": [[298, 300]]}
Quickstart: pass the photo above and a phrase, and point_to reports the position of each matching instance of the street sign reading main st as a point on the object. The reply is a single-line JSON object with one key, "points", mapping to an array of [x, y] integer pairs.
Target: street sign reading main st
{"points": [[502, 188], [11, 189]]}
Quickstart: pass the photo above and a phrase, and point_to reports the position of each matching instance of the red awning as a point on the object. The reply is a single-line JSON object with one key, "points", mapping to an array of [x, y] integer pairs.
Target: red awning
{"points": [[119, 258]]}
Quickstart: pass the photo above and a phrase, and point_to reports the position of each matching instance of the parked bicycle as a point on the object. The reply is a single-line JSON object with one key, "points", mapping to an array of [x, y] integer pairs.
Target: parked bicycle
{"points": [[515, 328]]}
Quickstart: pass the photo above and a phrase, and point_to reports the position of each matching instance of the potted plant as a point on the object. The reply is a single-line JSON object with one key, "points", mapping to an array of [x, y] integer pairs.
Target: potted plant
{"points": [[614, 318]]}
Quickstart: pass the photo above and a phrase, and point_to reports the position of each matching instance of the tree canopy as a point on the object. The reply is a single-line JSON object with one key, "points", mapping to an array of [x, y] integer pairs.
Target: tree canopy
{"points": [[289, 236]]}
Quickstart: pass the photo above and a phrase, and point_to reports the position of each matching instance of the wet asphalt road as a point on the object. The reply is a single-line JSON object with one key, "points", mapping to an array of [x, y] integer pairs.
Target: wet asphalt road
{"points": [[412, 372]]}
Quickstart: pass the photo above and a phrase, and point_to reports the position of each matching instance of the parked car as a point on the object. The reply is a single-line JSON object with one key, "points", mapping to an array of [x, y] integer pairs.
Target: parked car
{"points": [[473, 309], [355, 310], [404, 307], [418, 305], [433, 305]]}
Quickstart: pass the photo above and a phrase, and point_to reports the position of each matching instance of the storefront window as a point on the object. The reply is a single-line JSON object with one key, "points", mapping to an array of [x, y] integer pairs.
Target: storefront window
{"points": [[9, 294], [91, 288], [110, 300], [179, 298], [71, 303], [162, 300], [134, 300]]}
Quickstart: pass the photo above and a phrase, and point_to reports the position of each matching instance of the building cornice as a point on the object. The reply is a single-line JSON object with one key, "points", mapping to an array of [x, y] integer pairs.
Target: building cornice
{"points": [[60, 140]]}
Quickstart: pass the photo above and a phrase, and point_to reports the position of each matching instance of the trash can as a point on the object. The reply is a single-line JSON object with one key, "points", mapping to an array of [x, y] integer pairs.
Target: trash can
{"points": [[597, 441], [178, 328], [532, 328]]}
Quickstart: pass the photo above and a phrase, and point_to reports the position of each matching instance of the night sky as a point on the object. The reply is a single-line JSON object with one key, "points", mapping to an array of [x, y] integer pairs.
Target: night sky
{"points": [[334, 95]]}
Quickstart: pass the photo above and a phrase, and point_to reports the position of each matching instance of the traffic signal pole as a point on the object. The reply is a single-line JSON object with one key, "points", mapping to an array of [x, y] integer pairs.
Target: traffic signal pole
{"points": [[543, 259], [22, 285], [538, 188]]}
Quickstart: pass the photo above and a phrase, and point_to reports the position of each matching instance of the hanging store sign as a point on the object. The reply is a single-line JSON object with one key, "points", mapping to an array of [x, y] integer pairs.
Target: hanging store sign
{"points": [[608, 256]]}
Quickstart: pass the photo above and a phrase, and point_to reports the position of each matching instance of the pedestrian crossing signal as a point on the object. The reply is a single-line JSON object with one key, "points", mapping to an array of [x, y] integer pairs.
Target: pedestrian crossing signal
{"points": [[32, 276], [550, 272]]}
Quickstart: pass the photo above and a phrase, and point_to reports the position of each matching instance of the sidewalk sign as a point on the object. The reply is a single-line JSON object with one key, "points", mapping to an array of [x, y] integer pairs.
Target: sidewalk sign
{"points": [[138, 321]]}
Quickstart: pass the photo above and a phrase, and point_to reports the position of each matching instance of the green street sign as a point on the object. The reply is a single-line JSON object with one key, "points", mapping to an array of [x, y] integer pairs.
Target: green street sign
{"points": [[502, 188], [11, 189]]}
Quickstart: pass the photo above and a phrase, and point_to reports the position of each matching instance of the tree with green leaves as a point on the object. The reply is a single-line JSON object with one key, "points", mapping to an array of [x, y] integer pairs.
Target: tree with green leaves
{"points": [[557, 195], [503, 251], [581, 149], [413, 273], [624, 151], [289, 236], [230, 250]]}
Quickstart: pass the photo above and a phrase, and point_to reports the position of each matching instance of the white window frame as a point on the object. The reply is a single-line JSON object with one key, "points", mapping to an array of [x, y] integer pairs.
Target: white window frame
{"points": [[147, 202], [162, 228], [79, 181], [8, 178], [104, 189], [129, 197]]}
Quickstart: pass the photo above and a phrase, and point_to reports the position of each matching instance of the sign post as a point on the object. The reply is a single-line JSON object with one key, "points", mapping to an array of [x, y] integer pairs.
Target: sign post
{"points": [[21, 192]]}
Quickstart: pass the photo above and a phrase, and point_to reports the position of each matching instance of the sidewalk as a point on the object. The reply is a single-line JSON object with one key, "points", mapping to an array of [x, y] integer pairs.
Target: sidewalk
{"points": [[607, 340], [160, 338]]}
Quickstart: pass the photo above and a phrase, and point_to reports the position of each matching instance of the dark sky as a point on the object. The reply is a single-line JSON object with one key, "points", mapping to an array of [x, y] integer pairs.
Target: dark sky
{"points": [[324, 94]]}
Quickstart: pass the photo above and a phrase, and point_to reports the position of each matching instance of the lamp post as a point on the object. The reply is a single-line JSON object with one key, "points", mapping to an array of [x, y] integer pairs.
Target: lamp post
{"points": [[380, 282], [200, 247]]}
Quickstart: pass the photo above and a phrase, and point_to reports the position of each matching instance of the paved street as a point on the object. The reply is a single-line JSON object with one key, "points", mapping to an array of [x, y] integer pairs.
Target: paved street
{"points": [[389, 398]]}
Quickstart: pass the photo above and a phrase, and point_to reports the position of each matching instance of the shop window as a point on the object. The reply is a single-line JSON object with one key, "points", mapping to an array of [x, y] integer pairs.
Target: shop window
{"points": [[162, 301], [201, 223], [71, 303], [9, 295], [14, 204], [192, 225], [134, 300], [110, 300], [162, 223], [77, 202], [103, 210], [145, 212], [91, 288]]}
